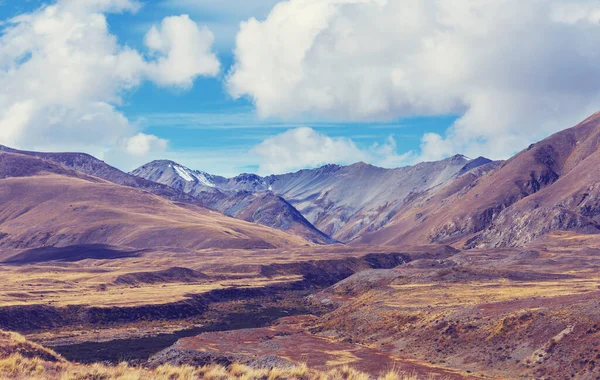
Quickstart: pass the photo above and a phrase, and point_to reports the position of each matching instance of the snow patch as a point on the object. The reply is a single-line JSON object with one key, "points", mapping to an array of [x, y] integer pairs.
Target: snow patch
{"points": [[203, 179], [191, 176], [183, 173]]}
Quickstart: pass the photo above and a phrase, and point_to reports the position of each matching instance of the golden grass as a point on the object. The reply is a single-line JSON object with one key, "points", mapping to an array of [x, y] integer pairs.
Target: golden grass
{"points": [[476, 293], [21, 359], [16, 367], [15, 343], [83, 289]]}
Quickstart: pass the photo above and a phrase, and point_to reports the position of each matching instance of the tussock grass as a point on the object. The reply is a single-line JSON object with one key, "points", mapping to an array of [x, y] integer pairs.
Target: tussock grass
{"points": [[18, 367], [21, 359]]}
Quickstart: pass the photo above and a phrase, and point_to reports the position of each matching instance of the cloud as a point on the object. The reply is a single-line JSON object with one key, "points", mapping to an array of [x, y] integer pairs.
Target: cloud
{"points": [[515, 70], [184, 51], [304, 147], [132, 152], [63, 74], [222, 16], [142, 144]]}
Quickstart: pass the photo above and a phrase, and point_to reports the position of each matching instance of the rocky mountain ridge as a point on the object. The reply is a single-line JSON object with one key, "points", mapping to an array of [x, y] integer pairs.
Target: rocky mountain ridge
{"points": [[342, 201]]}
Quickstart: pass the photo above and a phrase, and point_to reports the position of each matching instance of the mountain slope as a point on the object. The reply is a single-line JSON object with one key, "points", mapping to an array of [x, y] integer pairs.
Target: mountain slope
{"points": [[51, 205], [92, 166], [346, 202], [552, 185], [267, 212], [231, 198], [572, 202]]}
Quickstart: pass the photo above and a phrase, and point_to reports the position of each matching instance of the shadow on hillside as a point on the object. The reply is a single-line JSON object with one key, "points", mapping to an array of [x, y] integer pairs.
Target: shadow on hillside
{"points": [[71, 253]]}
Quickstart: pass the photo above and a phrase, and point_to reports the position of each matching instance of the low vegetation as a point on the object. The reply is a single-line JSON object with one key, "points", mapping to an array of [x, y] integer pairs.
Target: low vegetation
{"points": [[21, 359], [18, 367]]}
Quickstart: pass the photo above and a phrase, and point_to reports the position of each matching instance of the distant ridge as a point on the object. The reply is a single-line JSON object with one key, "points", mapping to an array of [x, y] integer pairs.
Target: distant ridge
{"points": [[46, 204], [343, 201], [271, 211], [242, 197], [472, 203]]}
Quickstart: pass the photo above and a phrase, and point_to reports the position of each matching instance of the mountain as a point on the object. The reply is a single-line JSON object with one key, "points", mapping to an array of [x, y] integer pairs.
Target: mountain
{"points": [[345, 202], [552, 185], [87, 164], [349, 201], [47, 204], [270, 211], [231, 197], [342, 201]]}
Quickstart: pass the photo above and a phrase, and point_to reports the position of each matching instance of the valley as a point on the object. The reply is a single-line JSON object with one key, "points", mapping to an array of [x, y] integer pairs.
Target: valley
{"points": [[456, 269]]}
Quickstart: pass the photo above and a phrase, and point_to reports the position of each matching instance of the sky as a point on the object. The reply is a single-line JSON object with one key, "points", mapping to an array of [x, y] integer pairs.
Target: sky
{"points": [[267, 86]]}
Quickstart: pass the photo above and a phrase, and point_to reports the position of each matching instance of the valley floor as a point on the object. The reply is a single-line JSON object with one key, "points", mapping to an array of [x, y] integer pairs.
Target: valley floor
{"points": [[430, 311]]}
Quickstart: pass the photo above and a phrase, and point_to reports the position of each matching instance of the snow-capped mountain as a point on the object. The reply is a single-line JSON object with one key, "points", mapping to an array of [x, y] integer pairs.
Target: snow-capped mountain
{"points": [[343, 201], [244, 197], [177, 176]]}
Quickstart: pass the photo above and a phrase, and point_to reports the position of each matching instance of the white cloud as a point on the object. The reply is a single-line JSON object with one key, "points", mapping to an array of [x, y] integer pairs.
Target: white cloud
{"points": [[385, 155], [222, 16], [516, 70], [304, 147], [132, 152], [184, 49], [142, 144], [62, 74]]}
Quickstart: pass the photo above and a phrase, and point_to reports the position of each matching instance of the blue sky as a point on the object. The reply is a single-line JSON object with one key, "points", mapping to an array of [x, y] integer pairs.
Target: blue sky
{"points": [[207, 119], [389, 95], [204, 123]]}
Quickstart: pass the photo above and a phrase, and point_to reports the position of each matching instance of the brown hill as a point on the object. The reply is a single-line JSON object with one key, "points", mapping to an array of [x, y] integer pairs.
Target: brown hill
{"points": [[552, 185], [234, 198], [266, 209], [47, 204]]}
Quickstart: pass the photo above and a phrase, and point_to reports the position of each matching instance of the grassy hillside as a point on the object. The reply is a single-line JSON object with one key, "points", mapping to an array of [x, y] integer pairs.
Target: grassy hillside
{"points": [[21, 359]]}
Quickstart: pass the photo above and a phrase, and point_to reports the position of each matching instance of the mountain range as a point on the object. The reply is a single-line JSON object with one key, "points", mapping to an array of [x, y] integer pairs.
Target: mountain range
{"points": [[45, 203], [551, 185], [343, 202], [459, 268]]}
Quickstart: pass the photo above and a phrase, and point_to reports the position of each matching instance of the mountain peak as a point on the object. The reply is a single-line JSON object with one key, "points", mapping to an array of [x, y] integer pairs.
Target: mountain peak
{"points": [[169, 170], [362, 165], [459, 157], [160, 163]]}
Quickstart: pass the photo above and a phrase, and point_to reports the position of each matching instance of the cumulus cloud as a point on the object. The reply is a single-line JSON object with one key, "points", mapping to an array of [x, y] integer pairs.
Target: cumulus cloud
{"points": [[132, 152], [222, 16], [515, 70], [62, 75], [304, 147], [184, 49]]}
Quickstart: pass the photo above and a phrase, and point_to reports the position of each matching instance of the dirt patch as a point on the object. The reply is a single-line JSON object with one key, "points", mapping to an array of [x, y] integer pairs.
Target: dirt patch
{"points": [[288, 340]]}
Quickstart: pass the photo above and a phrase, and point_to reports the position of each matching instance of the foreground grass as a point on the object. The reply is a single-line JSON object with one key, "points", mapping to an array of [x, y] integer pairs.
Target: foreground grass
{"points": [[21, 359], [19, 367]]}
